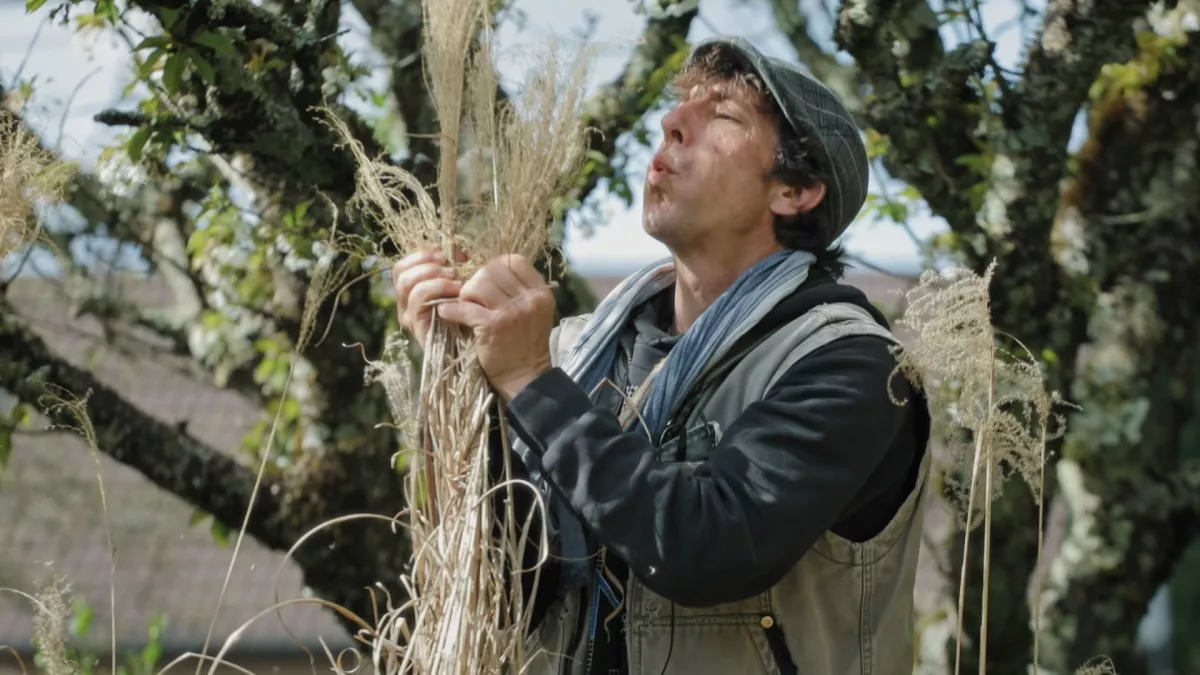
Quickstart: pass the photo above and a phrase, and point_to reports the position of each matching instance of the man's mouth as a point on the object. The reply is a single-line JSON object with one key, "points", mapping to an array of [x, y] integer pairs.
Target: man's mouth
{"points": [[660, 167]]}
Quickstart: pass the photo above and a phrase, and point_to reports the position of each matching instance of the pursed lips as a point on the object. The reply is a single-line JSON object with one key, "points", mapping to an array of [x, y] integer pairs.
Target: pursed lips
{"points": [[660, 167]]}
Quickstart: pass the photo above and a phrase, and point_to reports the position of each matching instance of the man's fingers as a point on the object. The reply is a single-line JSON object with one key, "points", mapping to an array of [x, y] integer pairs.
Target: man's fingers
{"points": [[485, 289], [433, 289], [525, 272], [500, 270], [404, 282], [419, 257], [464, 313]]}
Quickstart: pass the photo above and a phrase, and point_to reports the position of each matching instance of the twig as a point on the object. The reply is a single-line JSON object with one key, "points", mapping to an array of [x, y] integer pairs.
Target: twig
{"points": [[37, 34], [859, 260], [62, 122]]}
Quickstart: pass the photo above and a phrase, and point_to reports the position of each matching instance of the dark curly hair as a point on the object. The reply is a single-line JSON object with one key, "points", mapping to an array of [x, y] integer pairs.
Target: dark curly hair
{"points": [[795, 162]]}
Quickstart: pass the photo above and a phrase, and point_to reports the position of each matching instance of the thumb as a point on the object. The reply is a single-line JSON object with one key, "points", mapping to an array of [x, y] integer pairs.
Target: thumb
{"points": [[465, 313]]}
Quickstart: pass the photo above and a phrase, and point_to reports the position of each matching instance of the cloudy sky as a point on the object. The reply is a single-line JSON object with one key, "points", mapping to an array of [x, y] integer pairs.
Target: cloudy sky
{"points": [[77, 76]]}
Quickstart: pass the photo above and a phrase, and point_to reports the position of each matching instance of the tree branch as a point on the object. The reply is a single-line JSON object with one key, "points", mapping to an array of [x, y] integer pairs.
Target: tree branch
{"points": [[844, 79], [176, 462], [922, 100], [397, 32], [617, 107]]}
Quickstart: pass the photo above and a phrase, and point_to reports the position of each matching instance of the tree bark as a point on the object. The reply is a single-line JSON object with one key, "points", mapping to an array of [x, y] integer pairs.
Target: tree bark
{"points": [[1136, 381], [993, 167]]}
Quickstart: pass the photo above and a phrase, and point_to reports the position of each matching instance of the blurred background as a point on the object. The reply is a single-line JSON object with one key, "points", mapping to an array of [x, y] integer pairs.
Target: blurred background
{"points": [[1059, 139]]}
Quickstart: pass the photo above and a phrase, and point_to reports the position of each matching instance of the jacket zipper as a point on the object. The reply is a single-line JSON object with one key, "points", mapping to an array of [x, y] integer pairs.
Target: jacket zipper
{"points": [[591, 624]]}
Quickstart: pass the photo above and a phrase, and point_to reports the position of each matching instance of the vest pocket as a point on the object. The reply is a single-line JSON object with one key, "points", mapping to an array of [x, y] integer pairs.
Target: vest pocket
{"points": [[779, 648], [727, 649], [691, 446]]}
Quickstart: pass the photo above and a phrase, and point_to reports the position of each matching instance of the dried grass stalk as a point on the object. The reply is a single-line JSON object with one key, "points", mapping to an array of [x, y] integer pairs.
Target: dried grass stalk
{"points": [[978, 391], [60, 402], [29, 177], [466, 614]]}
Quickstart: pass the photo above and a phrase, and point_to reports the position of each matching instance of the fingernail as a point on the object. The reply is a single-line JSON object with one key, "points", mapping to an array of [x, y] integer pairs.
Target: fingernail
{"points": [[449, 272]]}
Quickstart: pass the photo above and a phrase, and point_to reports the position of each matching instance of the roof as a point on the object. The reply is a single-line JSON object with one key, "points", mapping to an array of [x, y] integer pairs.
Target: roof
{"points": [[49, 493]]}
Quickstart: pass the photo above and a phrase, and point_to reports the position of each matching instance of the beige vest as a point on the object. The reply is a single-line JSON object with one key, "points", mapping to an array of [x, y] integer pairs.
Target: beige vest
{"points": [[845, 609]]}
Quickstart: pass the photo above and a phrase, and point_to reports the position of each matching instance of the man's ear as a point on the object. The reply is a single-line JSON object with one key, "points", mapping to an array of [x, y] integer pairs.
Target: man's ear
{"points": [[789, 201]]}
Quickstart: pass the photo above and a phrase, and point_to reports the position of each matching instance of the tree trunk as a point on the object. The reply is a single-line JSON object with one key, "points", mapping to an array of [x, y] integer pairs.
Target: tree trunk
{"points": [[1134, 501]]}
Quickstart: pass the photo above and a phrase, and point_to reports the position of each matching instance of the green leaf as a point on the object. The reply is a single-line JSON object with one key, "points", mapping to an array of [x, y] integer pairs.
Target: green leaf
{"points": [[219, 532], [137, 143], [18, 418], [81, 619], [152, 41], [1050, 357], [204, 68], [148, 66], [214, 41], [896, 211], [172, 77], [976, 163], [196, 518], [34, 5], [6, 434], [211, 320], [108, 10], [167, 16], [157, 625], [291, 409], [150, 656]]}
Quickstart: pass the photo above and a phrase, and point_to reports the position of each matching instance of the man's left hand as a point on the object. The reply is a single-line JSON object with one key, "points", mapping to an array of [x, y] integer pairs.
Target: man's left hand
{"points": [[511, 309]]}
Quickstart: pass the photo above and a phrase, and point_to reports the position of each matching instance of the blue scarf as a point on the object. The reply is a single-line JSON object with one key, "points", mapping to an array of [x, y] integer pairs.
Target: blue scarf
{"points": [[738, 310]]}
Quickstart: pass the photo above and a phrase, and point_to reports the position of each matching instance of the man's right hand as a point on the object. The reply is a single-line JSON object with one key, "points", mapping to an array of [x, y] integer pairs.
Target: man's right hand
{"points": [[419, 279]]}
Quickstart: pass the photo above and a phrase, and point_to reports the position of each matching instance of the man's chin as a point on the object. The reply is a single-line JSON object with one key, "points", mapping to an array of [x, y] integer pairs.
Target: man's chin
{"points": [[654, 226]]}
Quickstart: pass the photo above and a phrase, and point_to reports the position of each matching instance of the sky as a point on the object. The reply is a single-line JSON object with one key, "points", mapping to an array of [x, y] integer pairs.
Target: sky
{"points": [[79, 75]]}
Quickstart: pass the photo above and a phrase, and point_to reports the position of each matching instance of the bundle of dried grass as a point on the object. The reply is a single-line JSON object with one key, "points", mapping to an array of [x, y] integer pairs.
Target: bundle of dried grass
{"points": [[467, 614], [29, 176], [977, 391]]}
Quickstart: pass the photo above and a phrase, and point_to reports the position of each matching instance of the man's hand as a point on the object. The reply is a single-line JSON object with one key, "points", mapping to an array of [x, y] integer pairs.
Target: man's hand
{"points": [[511, 309], [417, 280]]}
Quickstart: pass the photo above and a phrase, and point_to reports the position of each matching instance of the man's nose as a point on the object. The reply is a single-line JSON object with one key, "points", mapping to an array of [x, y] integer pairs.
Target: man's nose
{"points": [[673, 126]]}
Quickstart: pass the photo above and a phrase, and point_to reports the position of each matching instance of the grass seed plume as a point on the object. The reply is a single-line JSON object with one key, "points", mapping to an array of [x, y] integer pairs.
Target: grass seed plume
{"points": [[989, 403], [978, 392], [29, 177], [50, 629]]}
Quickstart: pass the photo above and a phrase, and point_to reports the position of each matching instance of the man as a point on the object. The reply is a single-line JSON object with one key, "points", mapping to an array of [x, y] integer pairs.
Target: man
{"points": [[745, 497]]}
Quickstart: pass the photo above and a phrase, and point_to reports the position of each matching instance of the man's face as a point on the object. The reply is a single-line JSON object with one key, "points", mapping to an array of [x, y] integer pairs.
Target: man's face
{"points": [[710, 181]]}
